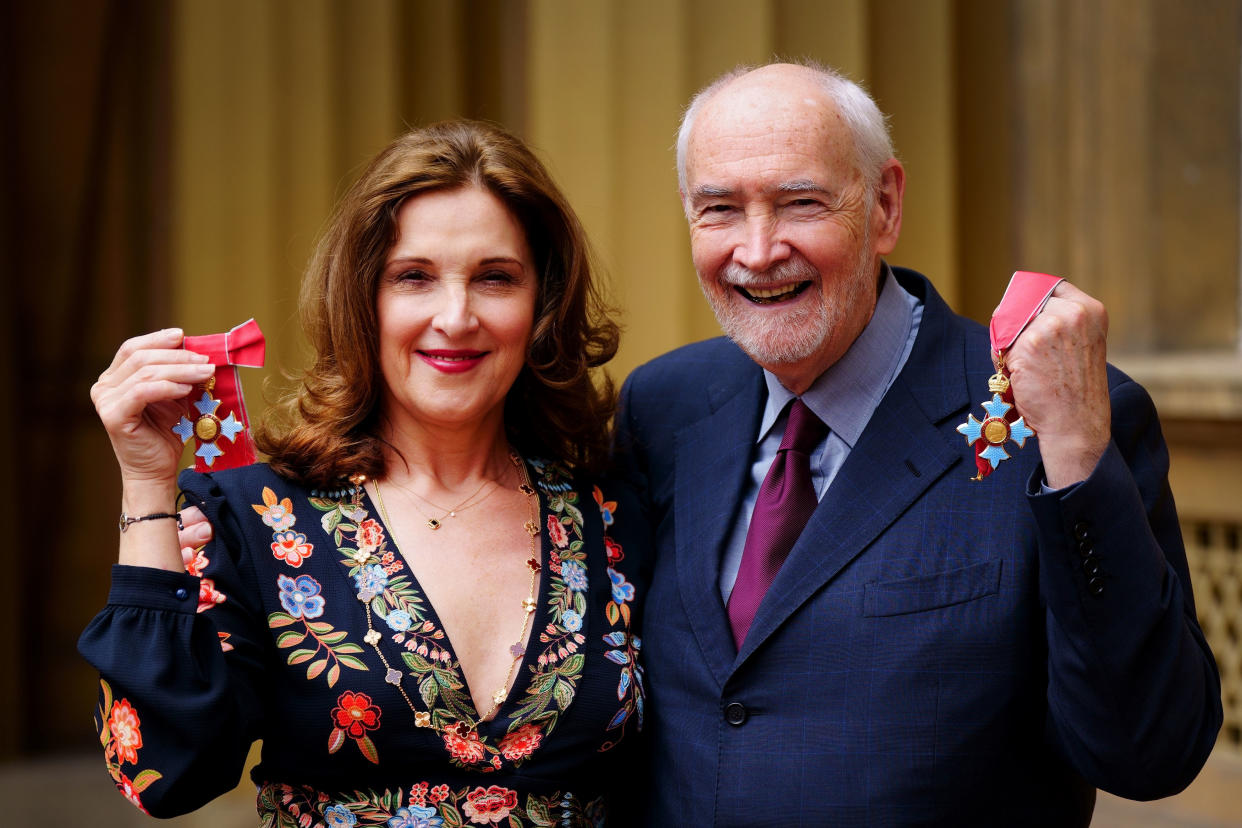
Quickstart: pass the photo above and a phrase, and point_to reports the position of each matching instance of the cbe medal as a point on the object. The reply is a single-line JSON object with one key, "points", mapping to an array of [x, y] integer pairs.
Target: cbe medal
{"points": [[219, 414], [1024, 298]]}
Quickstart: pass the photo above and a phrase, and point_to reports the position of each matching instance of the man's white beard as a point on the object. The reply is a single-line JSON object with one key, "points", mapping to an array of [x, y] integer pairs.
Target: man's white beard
{"points": [[782, 337]]}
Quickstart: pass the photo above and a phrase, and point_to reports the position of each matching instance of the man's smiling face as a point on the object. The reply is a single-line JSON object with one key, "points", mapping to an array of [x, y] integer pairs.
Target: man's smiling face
{"points": [[786, 236]]}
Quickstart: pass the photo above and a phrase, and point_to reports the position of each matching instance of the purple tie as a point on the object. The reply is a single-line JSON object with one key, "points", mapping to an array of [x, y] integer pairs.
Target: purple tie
{"points": [[785, 503]]}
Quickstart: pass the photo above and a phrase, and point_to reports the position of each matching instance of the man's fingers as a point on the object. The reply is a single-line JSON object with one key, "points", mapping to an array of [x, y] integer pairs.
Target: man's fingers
{"points": [[196, 531]]}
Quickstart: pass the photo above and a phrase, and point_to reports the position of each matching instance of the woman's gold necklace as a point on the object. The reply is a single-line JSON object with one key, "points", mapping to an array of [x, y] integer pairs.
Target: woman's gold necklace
{"points": [[434, 523], [518, 648]]}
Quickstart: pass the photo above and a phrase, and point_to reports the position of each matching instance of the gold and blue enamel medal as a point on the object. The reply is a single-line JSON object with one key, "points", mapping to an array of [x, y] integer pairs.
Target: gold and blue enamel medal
{"points": [[1024, 298]]}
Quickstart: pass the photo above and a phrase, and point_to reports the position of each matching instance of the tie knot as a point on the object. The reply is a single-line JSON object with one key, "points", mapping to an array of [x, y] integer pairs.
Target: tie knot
{"points": [[804, 430]]}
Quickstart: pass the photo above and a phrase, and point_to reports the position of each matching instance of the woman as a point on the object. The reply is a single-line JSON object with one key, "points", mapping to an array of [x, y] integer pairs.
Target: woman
{"points": [[413, 604]]}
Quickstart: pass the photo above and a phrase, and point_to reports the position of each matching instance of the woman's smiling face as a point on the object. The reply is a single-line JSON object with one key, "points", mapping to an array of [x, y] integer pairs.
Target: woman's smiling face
{"points": [[456, 306]]}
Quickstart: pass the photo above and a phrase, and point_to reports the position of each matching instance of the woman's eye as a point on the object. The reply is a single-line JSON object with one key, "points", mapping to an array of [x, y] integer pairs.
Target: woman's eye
{"points": [[411, 276], [497, 277]]}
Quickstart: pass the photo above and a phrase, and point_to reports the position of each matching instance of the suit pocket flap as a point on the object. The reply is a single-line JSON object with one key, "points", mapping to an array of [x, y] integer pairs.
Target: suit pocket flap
{"points": [[927, 592]]}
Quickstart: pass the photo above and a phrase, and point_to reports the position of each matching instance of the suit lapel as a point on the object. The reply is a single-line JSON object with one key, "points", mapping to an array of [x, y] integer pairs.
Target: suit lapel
{"points": [[713, 460], [900, 454]]}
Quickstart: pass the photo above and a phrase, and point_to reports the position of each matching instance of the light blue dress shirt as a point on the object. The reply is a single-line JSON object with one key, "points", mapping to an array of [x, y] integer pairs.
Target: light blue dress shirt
{"points": [[844, 397]]}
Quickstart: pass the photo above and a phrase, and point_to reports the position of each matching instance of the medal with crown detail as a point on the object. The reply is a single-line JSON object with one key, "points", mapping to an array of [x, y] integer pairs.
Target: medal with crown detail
{"points": [[208, 427], [1024, 299], [999, 426]]}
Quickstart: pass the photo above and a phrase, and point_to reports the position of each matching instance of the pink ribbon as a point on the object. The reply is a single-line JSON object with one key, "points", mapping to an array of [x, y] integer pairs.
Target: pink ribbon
{"points": [[1024, 299], [244, 345]]}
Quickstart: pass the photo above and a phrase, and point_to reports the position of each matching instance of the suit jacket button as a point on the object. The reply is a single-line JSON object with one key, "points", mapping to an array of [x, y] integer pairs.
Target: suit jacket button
{"points": [[1091, 566], [1096, 585], [1081, 530], [735, 713], [1085, 547]]}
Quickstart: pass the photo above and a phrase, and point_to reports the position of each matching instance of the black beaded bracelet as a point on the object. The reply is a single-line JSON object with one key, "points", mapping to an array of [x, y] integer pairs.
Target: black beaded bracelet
{"points": [[128, 520]]}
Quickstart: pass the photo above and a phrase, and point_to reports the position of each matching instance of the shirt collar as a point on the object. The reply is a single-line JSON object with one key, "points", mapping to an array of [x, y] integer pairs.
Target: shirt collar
{"points": [[846, 395]]}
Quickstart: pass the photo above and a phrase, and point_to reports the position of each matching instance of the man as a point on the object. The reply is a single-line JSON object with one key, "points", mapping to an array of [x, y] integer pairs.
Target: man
{"points": [[933, 649]]}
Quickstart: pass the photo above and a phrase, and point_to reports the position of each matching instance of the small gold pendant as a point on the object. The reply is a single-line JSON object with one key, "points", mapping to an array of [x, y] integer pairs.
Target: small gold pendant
{"points": [[433, 524]]}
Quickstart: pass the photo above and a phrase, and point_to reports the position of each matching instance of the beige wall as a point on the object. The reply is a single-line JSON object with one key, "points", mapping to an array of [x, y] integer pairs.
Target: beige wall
{"points": [[276, 104]]}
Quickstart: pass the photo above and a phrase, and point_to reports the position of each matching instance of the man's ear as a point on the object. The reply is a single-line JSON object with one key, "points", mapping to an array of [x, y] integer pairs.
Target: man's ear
{"points": [[886, 213]]}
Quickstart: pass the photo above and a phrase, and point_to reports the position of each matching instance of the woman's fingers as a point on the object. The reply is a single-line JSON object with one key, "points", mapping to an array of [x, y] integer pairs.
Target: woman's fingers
{"points": [[141, 352], [169, 338], [138, 399], [121, 401]]}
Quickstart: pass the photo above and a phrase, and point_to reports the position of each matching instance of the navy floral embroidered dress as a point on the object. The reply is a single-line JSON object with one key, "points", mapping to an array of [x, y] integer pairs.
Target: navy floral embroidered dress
{"points": [[302, 625]]}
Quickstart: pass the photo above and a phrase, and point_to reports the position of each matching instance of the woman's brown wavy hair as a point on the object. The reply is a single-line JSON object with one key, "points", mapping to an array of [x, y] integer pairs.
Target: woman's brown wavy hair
{"points": [[558, 408]]}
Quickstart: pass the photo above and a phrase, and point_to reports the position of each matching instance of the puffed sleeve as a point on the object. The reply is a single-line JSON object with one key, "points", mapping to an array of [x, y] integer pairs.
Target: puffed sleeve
{"points": [[1133, 689], [180, 663]]}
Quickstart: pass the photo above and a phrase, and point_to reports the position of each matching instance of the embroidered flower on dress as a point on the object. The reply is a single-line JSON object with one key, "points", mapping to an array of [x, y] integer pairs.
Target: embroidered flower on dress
{"points": [[572, 620], [353, 716], [125, 786], [195, 562], [291, 547], [338, 816], [277, 514], [399, 620], [123, 725], [414, 816], [622, 590], [438, 793], [556, 532], [300, 596], [370, 535], [575, 575], [490, 806], [467, 749], [371, 581], [521, 742], [606, 507], [613, 550], [208, 595]]}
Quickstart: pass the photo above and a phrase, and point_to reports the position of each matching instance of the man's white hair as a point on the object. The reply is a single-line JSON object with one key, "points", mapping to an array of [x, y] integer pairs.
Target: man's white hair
{"points": [[866, 123]]}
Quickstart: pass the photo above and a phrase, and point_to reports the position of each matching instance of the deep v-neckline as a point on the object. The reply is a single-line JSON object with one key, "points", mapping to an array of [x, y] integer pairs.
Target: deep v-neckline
{"points": [[521, 677], [396, 608]]}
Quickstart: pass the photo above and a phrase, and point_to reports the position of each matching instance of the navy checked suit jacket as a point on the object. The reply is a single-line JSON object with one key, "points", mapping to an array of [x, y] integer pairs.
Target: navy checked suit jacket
{"points": [[930, 653]]}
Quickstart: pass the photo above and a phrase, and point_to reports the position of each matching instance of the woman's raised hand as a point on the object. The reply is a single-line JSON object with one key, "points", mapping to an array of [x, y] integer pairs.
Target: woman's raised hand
{"points": [[137, 399]]}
